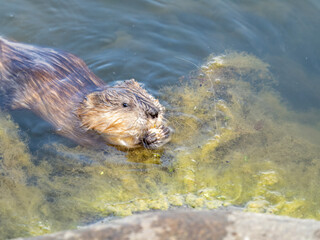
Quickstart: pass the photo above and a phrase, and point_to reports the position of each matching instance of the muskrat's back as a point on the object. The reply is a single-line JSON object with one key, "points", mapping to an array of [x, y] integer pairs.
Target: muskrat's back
{"points": [[46, 81], [29, 72], [59, 87]]}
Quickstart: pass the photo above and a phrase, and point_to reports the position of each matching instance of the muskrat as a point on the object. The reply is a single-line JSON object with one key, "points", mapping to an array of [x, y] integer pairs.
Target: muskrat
{"points": [[60, 88]]}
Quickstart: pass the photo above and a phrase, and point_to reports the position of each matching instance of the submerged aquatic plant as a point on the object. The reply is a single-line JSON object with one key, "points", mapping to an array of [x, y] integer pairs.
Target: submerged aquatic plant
{"points": [[233, 145]]}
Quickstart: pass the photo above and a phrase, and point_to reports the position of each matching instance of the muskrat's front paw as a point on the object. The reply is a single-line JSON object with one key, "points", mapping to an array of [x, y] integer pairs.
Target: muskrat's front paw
{"points": [[156, 137]]}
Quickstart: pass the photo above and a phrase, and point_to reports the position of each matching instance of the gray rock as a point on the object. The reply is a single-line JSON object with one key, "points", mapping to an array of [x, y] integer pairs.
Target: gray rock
{"points": [[192, 224]]}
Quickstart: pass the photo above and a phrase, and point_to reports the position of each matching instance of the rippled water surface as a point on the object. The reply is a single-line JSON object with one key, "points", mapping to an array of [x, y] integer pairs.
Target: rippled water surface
{"points": [[246, 119]]}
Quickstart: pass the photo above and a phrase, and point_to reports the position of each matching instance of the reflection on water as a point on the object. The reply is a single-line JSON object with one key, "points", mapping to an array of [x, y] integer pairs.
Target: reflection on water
{"points": [[243, 136], [234, 144]]}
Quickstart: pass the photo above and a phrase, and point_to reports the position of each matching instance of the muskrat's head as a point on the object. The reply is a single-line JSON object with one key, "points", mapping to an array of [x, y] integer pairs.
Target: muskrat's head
{"points": [[125, 115]]}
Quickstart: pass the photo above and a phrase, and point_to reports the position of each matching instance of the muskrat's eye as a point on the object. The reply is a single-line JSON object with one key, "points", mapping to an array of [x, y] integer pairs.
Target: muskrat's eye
{"points": [[125, 105]]}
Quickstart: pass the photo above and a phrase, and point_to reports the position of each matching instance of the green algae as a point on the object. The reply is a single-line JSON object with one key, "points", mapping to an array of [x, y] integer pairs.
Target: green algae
{"points": [[21, 207], [235, 143]]}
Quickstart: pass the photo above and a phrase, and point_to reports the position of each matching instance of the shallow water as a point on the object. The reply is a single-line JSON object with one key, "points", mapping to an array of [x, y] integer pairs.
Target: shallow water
{"points": [[251, 140]]}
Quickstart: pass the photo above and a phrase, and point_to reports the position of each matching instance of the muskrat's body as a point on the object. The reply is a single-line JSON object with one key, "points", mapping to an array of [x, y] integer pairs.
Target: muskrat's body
{"points": [[60, 88]]}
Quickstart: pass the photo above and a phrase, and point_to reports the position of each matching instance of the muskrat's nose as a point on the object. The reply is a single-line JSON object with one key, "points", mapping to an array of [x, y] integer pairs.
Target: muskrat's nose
{"points": [[154, 115], [153, 112]]}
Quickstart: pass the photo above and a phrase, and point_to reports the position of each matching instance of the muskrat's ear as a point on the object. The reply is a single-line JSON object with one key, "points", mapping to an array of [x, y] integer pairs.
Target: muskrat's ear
{"points": [[102, 97], [93, 99], [132, 82]]}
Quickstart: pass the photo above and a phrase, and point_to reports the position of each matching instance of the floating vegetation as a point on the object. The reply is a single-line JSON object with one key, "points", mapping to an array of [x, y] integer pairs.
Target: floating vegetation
{"points": [[235, 143]]}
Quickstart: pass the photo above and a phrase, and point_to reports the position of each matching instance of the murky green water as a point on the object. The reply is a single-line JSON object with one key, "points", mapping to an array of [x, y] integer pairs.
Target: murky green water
{"points": [[247, 128]]}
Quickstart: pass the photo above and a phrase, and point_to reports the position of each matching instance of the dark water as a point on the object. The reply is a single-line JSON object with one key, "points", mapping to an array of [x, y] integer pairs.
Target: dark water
{"points": [[145, 39], [157, 42]]}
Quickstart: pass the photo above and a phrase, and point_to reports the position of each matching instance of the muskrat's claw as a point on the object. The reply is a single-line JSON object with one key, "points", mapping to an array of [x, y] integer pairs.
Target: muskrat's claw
{"points": [[150, 138], [156, 137], [165, 131]]}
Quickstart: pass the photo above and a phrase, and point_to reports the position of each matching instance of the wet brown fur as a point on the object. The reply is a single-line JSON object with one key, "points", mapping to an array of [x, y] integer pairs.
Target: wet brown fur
{"points": [[60, 88]]}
